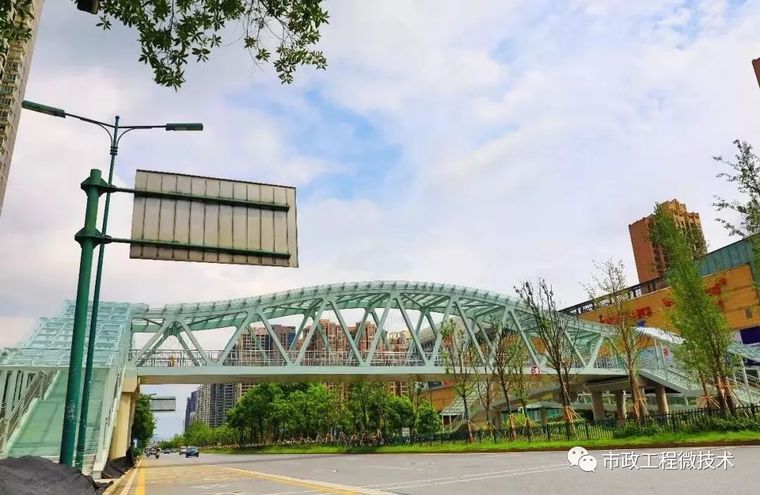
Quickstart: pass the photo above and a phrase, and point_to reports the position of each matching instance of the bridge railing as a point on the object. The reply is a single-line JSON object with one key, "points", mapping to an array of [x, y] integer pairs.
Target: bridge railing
{"points": [[189, 358], [35, 390]]}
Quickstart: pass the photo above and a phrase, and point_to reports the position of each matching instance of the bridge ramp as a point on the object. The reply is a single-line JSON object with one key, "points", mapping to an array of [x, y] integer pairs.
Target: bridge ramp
{"points": [[40, 433]]}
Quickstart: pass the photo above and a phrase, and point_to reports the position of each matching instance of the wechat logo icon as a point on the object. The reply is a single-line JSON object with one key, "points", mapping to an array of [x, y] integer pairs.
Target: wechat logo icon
{"points": [[578, 456]]}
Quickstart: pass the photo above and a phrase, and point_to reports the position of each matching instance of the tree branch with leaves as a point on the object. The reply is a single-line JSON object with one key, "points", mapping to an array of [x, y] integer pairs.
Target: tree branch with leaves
{"points": [[507, 364], [694, 314], [459, 358], [172, 31], [550, 326], [609, 293]]}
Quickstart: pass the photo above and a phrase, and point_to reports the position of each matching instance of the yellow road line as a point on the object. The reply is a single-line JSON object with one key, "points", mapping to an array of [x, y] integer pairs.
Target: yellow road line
{"points": [[128, 486], [321, 486], [140, 487]]}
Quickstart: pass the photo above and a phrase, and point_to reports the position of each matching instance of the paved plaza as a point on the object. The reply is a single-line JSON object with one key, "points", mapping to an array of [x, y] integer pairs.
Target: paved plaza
{"points": [[650, 471]]}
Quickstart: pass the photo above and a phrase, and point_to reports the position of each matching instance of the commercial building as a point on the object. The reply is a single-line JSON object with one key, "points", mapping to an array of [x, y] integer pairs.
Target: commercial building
{"points": [[651, 260], [730, 277], [15, 59]]}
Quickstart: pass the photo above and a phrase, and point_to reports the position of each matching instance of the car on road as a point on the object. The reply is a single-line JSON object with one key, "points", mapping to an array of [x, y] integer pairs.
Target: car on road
{"points": [[192, 452], [182, 450]]}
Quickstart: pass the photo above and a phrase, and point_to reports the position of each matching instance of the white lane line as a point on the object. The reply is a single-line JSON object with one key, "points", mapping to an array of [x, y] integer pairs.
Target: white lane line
{"points": [[128, 486], [415, 484], [467, 476]]}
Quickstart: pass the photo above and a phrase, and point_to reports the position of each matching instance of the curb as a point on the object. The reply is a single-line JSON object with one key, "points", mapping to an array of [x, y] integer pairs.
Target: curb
{"points": [[115, 484]]}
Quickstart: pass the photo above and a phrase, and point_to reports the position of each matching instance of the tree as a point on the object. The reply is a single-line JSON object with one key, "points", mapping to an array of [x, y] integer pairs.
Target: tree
{"points": [[171, 31], [399, 414], [609, 293], [486, 387], [508, 351], [550, 327], [144, 424], [414, 394], [694, 314], [15, 28], [745, 173], [428, 421], [459, 358]]}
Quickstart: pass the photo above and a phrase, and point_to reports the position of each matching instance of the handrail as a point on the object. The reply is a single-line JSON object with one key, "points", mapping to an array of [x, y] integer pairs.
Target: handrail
{"points": [[36, 389]]}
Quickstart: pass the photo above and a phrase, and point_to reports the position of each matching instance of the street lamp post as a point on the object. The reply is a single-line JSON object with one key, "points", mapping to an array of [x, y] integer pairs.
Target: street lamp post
{"points": [[88, 241]]}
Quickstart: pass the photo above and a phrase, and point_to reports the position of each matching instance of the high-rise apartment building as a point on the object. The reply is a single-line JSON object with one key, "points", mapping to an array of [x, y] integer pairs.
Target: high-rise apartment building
{"points": [[15, 59], [191, 409], [210, 403], [651, 260], [214, 400]]}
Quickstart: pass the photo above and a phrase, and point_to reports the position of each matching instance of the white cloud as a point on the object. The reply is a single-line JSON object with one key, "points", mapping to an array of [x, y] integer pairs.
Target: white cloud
{"points": [[528, 136]]}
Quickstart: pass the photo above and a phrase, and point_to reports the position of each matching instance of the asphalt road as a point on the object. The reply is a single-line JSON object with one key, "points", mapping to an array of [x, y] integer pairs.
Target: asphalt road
{"points": [[471, 474]]}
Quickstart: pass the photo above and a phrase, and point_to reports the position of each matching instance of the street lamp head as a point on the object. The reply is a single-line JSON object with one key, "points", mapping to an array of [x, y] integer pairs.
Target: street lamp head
{"points": [[184, 127], [37, 107]]}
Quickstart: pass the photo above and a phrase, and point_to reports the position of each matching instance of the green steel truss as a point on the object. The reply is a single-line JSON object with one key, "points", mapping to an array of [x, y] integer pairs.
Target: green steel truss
{"points": [[170, 350], [421, 306]]}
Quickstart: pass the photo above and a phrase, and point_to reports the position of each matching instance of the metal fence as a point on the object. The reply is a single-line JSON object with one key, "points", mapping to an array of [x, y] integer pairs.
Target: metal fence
{"points": [[705, 419], [682, 421]]}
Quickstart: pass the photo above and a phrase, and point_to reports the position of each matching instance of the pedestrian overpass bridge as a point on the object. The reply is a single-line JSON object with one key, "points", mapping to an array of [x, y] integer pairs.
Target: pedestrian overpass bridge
{"points": [[247, 340]]}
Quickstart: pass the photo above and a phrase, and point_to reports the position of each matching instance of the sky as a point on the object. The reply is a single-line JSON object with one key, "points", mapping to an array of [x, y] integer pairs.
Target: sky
{"points": [[475, 143]]}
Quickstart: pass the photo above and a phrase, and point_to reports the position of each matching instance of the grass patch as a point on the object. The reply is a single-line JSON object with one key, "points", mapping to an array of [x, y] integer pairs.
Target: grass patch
{"points": [[662, 440]]}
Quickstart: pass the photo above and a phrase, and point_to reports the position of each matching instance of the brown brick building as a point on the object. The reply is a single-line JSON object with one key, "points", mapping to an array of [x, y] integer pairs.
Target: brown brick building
{"points": [[651, 261]]}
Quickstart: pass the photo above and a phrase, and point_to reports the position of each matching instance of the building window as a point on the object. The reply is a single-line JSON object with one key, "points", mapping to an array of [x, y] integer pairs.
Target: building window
{"points": [[748, 313]]}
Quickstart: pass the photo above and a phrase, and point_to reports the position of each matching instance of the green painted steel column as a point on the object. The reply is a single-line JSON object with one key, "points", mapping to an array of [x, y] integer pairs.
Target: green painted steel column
{"points": [[88, 237], [85, 408]]}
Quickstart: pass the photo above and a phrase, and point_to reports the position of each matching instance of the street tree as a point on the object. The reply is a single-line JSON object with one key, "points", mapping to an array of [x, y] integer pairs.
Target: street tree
{"points": [[428, 421], [487, 388], [609, 293], [507, 364], [550, 326], [744, 171], [144, 424], [459, 358], [694, 314]]}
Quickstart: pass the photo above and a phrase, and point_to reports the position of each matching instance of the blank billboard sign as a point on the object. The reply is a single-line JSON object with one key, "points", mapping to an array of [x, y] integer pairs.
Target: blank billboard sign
{"points": [[163, 404], [188, 218]]}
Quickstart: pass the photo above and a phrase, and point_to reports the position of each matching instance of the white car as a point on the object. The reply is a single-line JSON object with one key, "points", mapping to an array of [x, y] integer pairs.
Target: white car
{"points": [[182, 450]]}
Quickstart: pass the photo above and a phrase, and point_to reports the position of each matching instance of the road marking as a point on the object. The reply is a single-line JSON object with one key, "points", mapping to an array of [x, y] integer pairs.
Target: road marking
{"points": [[140, 487], [472, 477], [320, 486], [465, 477], [128, 486]]}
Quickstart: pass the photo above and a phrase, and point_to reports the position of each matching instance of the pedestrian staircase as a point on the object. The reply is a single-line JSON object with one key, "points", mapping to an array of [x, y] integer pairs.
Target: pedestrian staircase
{"points": [[40, 433], [46, 353]]}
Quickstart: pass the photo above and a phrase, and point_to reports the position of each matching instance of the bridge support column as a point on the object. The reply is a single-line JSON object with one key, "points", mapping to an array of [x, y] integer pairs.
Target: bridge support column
{"points": [[10, 391], [662, 399], [620, 405], [122, 433], [597, 405], [3, 376]]}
